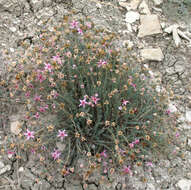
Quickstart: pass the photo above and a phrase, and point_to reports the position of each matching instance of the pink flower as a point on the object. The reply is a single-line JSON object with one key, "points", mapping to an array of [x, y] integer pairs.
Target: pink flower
{"points": [[27, 94], [83, 103], [122, 152], [149, 164], [136, 141], [30, 86], [58, 59], [126, 169], [74, 24], [177, 134], [88, 24], [29, 134], [105, 171], [37, 115], [104, 154], [125, 102], [133, 85], [120, 107], [95, 99], [101, 63], [9, 152], [48, 67], [37, 98], [43, 147], [68, 54], [168, 112], [54, 93], [42, 109], [62, 134], [40, 77], [33, 151], [80, 31], [56, 154], [53, 106], [131, 145]]}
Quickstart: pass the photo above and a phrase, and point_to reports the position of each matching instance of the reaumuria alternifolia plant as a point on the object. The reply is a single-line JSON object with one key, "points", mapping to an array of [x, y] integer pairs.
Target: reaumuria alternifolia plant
{"points": [[78, 94]]}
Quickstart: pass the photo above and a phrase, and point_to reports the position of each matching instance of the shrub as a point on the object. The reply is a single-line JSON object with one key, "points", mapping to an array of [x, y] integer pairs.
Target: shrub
{"points": [[79, 94]]}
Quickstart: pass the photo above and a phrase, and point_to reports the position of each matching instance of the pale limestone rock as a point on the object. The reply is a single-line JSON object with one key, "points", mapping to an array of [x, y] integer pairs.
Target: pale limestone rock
{"points": [[132, 16], [132, 5], [153, 54], [13, 29], [21, 169], [158, 2], [2, 164], [172, 108], [5, 169], [184, 184], [150, 186], [16, 127], [188, 116], [143, 8], [189, 143], [47, 3], [176, 37], [149, 25], [36, 4]]}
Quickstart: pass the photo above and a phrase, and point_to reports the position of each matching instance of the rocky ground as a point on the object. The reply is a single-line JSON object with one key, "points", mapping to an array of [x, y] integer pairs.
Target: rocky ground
{"points": [[154, 38]]}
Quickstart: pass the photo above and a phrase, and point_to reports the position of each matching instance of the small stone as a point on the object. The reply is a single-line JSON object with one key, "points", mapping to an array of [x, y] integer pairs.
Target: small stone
{"points": [[172, 108], [132, 16], [149, 25], [13, 29], [144, 9], [150, 186], [5, 169], [153, 54], [176, 37], [16, 127], [189, 143], [21, 169], [184, 184], [1, 164], [36, 4], [188, 116], [130, 5], [47, 3], [12, 50], [157, 2]]}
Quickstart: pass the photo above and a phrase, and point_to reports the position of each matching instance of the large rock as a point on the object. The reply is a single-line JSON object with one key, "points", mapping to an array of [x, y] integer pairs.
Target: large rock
{"points": [[184, 184], [149, 25], [16, 127], [132, 16], [153, 54]]}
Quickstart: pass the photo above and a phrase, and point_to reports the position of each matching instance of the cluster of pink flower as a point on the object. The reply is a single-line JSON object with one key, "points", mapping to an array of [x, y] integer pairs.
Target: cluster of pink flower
{"points": [[133, 143], [101, 63], [40, 77], [124, 103], [61, 133], [43, 108], [57, 59], [93, 101], [74, 25]]}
